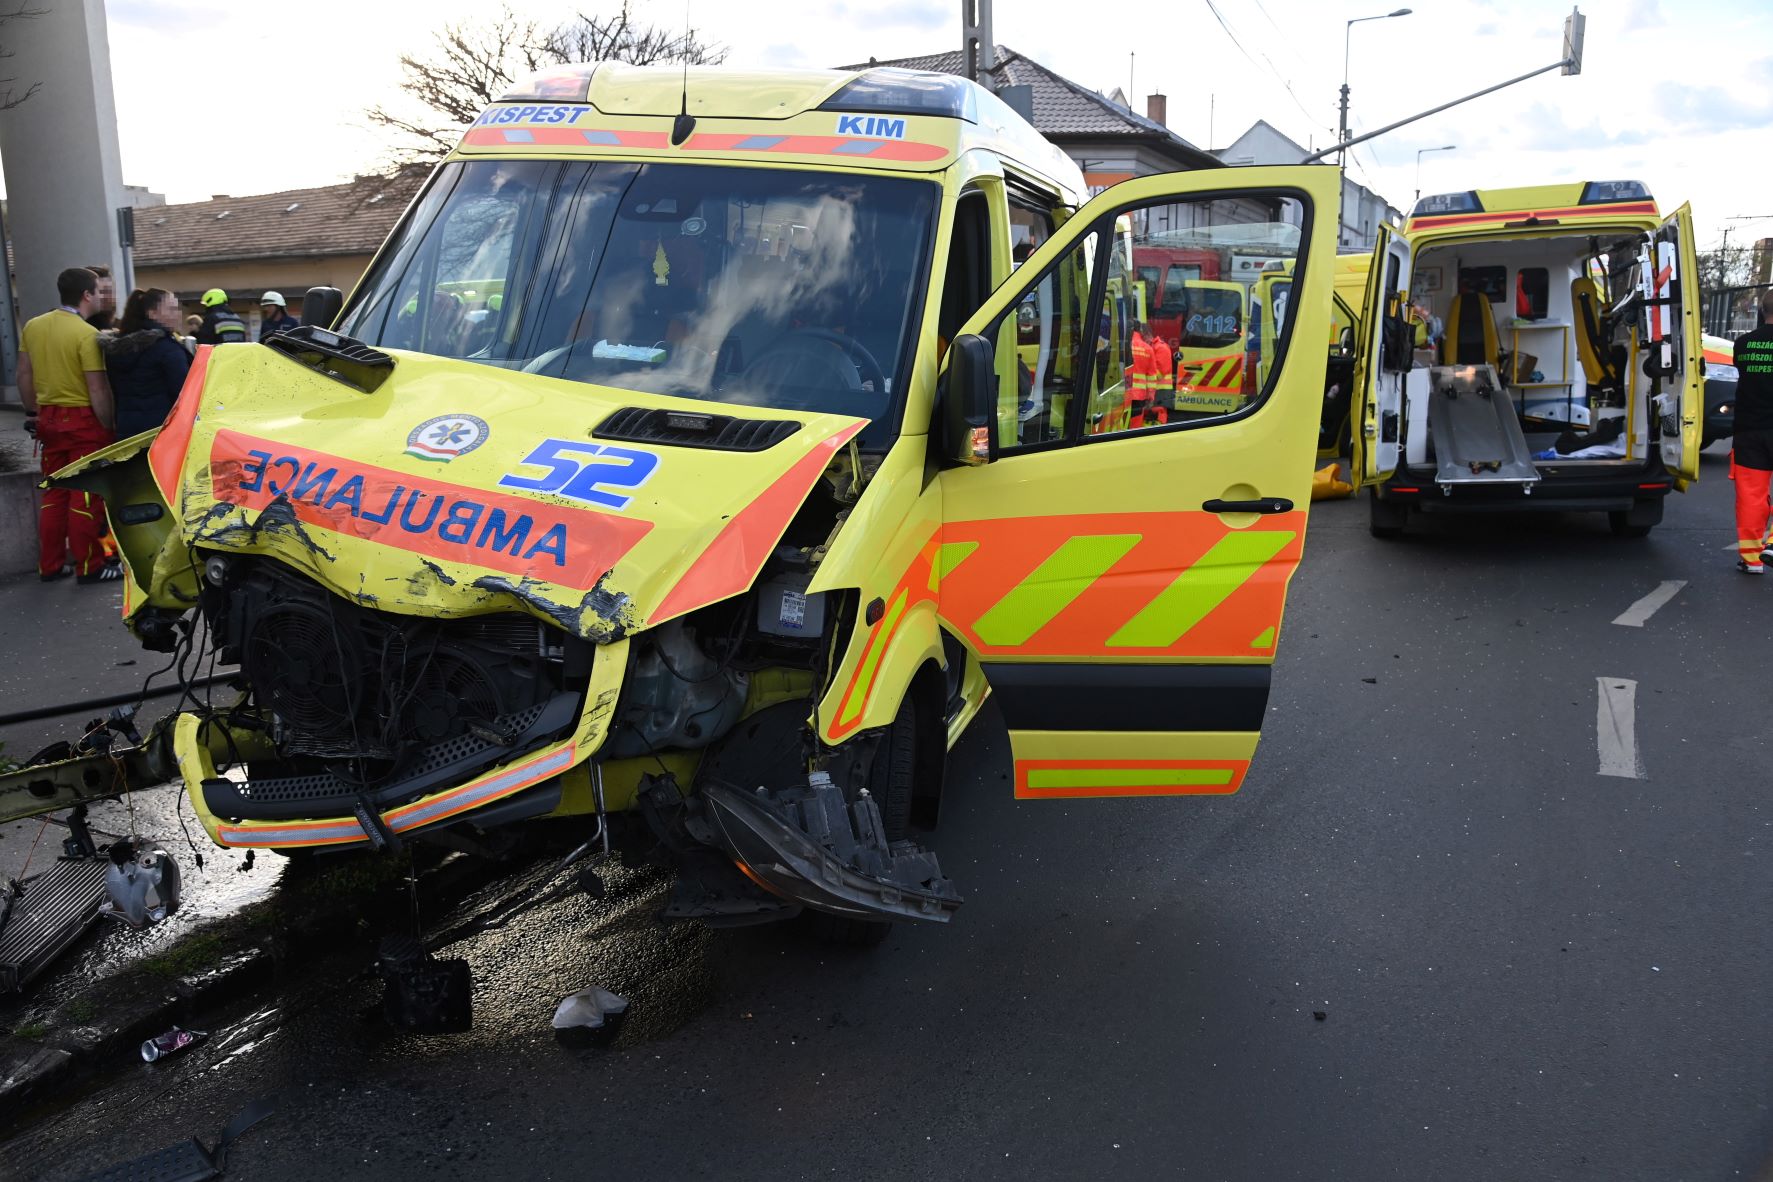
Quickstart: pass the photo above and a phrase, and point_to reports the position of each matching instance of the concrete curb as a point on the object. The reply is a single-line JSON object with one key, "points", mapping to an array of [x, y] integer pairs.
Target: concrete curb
{"points": [[19, 497], [115, 1017]]}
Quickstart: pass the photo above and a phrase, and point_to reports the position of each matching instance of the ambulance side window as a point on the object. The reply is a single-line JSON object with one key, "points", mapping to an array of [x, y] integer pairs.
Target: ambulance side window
{"points": [[967, 278], [1034, 400], [1029, 227]]}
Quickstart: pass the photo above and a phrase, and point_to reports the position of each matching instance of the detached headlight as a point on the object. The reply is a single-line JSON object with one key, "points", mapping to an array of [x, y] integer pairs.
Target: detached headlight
{"points": [[1717, 372]]}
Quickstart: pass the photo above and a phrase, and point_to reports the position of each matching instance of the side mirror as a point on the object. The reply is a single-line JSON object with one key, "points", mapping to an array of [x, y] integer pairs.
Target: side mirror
{"points": [[1345, 342], [964, 406], [321, 306]]}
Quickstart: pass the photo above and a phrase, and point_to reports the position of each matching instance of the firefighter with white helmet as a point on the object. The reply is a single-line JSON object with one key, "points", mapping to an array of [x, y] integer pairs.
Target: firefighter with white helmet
{"points": [[274, 315]]}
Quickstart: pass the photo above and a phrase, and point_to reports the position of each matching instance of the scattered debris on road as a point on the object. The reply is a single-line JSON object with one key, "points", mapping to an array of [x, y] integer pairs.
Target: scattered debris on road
{"points": [[166, 1045]]}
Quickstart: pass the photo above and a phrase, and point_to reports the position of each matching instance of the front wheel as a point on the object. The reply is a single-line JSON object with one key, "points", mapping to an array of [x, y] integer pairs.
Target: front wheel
{"points": [[890, 782]]}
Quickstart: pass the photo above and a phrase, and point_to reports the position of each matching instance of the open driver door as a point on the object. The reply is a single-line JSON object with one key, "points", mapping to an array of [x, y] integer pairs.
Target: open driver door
{"points": [[1121, 577]]}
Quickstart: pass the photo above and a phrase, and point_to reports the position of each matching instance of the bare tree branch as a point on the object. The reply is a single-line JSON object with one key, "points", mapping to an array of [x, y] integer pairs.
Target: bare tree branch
{"points": [[9, 97], [473, 62]]}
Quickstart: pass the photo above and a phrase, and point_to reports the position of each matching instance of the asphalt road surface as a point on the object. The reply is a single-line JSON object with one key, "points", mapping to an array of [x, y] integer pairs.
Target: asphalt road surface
{"points": [[1429, 939]]}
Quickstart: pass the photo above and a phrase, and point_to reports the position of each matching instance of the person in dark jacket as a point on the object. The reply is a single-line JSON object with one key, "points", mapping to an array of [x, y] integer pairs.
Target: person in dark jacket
{"points": [[274, 315], [145, 361], [221, 325], [105, 319], [1751, 455]]}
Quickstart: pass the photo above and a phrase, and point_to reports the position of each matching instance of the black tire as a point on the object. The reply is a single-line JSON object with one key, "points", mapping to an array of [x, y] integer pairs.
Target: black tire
{"points": [[891, 782], [895, 766], [1623, 526], [1385, 519]]}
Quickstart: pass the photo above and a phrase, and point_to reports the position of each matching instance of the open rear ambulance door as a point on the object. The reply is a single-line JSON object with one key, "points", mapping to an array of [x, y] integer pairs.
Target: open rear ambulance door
{"points": [[1120, 577], [1377, 410], [1674, 277]]}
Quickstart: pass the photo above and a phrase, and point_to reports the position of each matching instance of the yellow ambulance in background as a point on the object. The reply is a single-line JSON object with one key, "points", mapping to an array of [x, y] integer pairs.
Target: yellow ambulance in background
{"points": [[1570, 371]]}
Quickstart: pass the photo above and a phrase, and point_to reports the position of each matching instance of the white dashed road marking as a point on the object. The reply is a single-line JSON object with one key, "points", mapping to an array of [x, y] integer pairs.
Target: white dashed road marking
{"points": [[1616, 730], [1635, 615]]}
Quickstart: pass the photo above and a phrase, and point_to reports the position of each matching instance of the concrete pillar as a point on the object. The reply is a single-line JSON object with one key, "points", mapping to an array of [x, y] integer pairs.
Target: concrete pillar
{"points": [[64, 176]]}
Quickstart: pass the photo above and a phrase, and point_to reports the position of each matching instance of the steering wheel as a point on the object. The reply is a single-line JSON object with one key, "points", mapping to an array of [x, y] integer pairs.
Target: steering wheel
{"points": [[844, 357]]}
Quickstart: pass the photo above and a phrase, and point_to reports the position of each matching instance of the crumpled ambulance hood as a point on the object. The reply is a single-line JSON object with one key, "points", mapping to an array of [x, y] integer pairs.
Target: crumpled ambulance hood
{"points": [[457, 488]]}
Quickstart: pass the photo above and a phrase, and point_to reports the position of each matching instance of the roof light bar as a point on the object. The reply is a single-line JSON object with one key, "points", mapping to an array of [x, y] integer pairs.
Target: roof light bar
{"points": [[886, 90], [1466, 202], [1608, 192], [560, 83]]}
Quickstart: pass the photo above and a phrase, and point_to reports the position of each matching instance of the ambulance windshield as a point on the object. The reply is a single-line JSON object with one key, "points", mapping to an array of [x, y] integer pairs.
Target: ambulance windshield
{"points": [[795, 290]]}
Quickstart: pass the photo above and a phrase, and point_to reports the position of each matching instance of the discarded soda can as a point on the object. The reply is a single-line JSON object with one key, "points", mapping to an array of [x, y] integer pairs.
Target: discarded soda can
{"points": [[171, 1043]]}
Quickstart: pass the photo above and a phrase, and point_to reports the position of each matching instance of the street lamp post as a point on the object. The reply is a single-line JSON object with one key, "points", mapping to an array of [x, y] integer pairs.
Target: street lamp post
{"points": [[1419, 151], [1342, 125]]}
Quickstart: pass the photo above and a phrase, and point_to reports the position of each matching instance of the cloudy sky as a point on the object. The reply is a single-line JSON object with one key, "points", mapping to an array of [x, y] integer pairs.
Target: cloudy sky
{"points": [[1678, 93]]}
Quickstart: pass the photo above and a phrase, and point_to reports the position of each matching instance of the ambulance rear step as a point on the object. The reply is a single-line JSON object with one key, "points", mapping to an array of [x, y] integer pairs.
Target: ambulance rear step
{"points": [[1476, 431]]}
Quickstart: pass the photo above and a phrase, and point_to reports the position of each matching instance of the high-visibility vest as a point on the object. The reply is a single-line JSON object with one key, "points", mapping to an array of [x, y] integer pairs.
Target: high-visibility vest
{"points": [[1166, 364], [1142, 376]]}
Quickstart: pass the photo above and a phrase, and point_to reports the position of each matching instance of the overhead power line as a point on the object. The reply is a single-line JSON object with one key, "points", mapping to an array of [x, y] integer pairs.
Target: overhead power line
{"points": [[1288, 86]]}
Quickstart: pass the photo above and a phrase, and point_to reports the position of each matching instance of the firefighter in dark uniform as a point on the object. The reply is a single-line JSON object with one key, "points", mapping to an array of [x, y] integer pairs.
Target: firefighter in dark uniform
{"points": [[220, 325]]}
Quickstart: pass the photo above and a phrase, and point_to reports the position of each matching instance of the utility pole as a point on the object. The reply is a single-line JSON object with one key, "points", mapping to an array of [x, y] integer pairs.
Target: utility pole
{"points": [[1342, 121]]}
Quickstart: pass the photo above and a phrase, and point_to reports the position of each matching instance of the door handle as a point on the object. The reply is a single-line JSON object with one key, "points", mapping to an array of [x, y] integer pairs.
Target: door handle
{"points": [[1259, 505]]}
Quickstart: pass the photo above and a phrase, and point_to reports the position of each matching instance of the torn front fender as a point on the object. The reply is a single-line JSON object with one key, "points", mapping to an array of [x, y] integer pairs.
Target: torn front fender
{"points": [[160, 565]]}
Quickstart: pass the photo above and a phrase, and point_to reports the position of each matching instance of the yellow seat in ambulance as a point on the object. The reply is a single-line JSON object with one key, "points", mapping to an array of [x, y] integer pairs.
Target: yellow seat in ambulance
{"points": [[1602, 364], [1471, 331]]}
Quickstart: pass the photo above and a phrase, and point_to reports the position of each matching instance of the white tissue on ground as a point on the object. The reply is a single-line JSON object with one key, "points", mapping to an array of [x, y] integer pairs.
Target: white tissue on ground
{"points": [[588, 1008]]}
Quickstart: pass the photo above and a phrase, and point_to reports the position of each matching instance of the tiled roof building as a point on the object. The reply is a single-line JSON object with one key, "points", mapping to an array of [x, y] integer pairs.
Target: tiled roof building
{"points": [[1100, 134], [286, 242]]}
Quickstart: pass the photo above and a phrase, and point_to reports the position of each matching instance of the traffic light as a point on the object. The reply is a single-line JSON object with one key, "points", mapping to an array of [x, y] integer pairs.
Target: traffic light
{"points": [[1573, 41]]}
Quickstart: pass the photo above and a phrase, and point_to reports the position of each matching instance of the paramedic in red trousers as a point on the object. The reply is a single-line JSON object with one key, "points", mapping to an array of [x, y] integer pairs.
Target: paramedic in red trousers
{"points": [[1752, 449], [61, 379]]}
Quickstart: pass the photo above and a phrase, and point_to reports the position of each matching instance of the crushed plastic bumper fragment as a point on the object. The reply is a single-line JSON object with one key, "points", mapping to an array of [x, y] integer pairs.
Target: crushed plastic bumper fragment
{"points": [[808, 844]]}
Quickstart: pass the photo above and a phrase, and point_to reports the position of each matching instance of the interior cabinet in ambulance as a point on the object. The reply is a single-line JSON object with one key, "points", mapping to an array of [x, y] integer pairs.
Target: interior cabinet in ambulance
{"points": [[1569, 373]]}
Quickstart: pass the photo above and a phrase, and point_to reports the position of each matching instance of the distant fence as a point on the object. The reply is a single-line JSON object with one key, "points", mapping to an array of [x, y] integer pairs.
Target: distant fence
{"points": [[1732, 311]]}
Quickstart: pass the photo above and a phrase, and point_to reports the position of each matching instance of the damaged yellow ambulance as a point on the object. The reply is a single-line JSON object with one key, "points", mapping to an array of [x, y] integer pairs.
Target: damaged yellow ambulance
{"points": [[699, 451]]}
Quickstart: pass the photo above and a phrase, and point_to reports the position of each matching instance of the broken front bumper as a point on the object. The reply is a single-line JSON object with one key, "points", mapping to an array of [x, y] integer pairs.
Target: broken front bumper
{"points": [[293, 814], [197, 766], [809, 845]]}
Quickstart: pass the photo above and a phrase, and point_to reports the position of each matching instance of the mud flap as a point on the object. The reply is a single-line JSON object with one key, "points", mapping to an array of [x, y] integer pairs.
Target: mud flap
{"points": [[808, 844]]}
